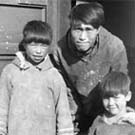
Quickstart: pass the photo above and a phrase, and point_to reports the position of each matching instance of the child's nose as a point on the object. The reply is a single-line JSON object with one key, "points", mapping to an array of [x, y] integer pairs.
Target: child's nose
{"points": [[38, 49], [111, 101]]}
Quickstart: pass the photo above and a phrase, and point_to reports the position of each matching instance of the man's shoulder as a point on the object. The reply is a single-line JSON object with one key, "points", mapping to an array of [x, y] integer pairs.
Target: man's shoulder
{"points": [[110, 40], [107, 36], [62, 43], [61, 47]]}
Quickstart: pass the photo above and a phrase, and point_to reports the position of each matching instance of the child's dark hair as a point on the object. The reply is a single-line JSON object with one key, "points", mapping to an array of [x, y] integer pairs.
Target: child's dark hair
{"points": [[115, 83], [89, 13], [36, 31]]}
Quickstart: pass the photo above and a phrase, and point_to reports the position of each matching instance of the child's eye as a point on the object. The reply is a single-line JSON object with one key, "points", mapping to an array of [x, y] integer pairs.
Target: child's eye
{"points": [[44, 45], [32, 44], [77, 29], [116, 97]]}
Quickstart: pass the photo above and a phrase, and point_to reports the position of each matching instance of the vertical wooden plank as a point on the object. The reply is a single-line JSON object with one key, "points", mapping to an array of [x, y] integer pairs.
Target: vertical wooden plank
{"points": [[57, 17], [64, 7], [52, 13]]}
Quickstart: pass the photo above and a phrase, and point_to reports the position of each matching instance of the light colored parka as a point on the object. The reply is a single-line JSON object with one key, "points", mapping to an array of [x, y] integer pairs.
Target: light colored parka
{"points": [[33, 100]]}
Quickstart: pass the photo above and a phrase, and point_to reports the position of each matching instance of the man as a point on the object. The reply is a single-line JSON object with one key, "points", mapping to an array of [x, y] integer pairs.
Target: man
{"points": [[84, 56]]}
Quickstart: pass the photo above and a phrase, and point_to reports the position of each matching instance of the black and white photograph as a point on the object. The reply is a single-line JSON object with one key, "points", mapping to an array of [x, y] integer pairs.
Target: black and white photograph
{"points": [[67, 67]]}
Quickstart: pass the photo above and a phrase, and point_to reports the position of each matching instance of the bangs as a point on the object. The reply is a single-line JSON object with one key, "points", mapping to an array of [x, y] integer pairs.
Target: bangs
{"points": [[37, 32], [113, 92], [115, 86], [37, 38], [76, 22]]}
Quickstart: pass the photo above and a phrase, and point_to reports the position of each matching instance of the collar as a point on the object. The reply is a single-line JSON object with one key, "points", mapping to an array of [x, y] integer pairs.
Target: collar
{"points": [[23, 64]]}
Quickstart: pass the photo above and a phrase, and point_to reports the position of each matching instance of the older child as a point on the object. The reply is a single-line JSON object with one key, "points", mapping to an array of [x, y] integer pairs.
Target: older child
{"points": [[116, 119], [33, 99]]}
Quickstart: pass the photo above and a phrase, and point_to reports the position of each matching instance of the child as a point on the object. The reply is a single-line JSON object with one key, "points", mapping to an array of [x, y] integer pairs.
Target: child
{"points": [[117, 119], [33, 98]]}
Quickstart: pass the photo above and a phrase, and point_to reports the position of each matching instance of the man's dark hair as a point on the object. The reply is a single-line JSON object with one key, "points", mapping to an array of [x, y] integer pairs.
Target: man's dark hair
{"points": [[88, 13]]}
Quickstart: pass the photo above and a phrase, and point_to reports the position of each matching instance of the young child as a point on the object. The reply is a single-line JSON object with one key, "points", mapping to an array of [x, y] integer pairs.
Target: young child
{"points": [[33, 98], [117, 119]]}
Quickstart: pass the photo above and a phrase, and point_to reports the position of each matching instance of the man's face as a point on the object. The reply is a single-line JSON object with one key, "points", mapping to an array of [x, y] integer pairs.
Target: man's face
{"points": [[115, 105], [83, 36], [36, 52]]}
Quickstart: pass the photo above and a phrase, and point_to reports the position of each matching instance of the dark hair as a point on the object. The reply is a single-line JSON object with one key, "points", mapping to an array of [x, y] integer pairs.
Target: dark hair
{"points": [[89, 13], [115, 83], [36, 31]]}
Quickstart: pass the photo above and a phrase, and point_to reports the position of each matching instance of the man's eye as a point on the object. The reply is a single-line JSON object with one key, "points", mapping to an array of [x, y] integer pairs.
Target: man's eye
{"points": [[90, 30], [77, 29]]}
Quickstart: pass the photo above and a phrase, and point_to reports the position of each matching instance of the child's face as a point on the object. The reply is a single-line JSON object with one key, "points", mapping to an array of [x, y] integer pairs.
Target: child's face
{"points": [[36, 52], [115, 105]]}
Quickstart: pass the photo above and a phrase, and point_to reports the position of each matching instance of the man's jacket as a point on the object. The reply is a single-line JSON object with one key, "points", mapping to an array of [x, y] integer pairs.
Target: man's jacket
{"points": [[83, 73]]}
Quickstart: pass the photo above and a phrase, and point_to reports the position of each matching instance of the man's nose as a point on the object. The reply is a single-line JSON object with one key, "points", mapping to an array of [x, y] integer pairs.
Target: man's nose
{"points": [[83, 35]]}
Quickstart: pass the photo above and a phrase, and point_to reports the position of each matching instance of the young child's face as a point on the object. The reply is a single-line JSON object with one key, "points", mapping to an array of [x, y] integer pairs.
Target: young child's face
{"points": [[115, 105], [36, 52]]}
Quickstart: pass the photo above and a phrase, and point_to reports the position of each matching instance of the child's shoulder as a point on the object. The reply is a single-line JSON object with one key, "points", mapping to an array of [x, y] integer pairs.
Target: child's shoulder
{"points": [[9, 67], [101, 127], [128, 117]]}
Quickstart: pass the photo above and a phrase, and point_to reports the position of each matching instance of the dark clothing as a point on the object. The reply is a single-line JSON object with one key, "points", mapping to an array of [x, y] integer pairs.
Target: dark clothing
{"points": [[99, 127], [83, 73]]}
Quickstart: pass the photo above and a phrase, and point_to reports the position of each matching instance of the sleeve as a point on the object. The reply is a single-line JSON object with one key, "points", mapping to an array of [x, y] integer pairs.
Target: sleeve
{"points": [[63, 114], [4, 102], [120, 60]]}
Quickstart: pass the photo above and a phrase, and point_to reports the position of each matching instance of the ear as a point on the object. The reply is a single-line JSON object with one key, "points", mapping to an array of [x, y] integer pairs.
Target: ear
{"points": [[129, 95]]}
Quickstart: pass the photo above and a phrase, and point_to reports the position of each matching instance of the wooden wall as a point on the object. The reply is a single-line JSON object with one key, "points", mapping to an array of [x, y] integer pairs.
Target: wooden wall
{"points": [[14, 14]]}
